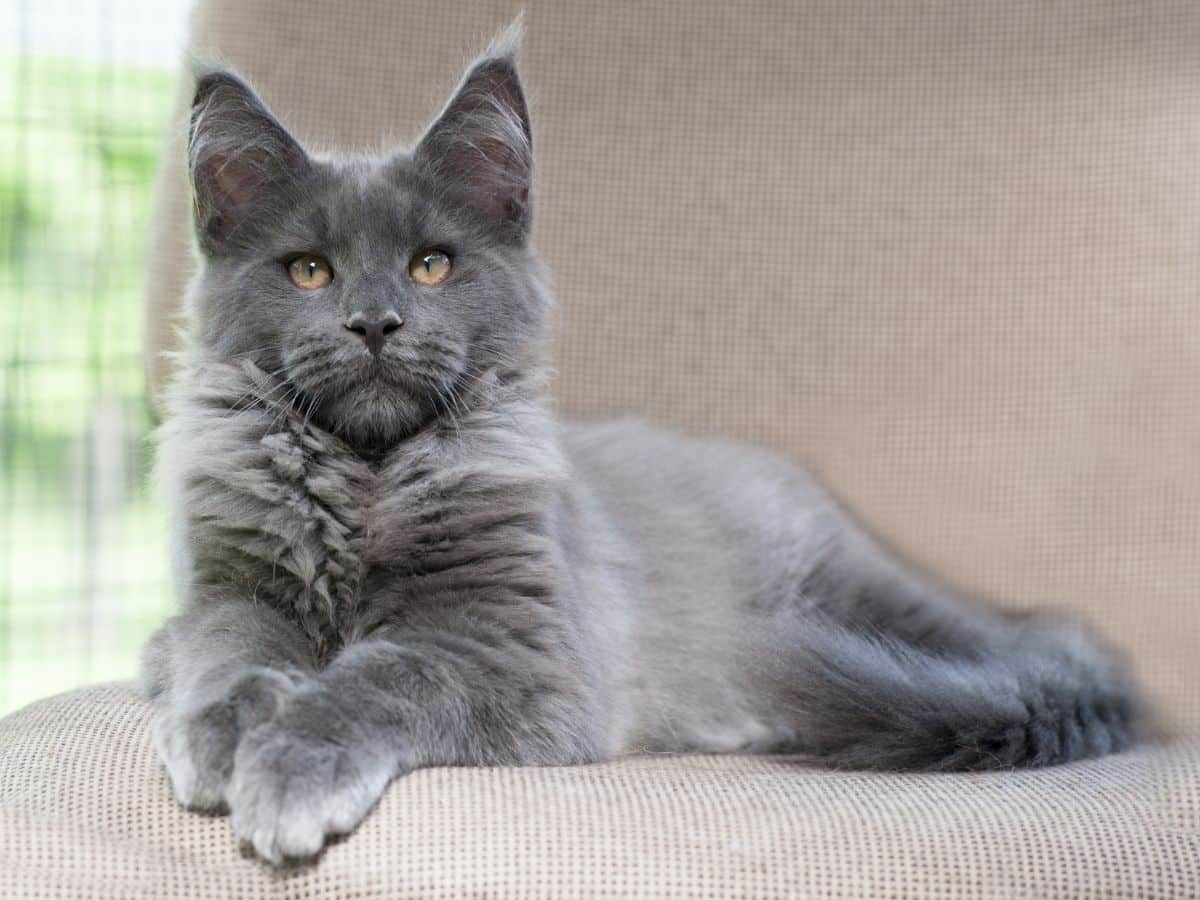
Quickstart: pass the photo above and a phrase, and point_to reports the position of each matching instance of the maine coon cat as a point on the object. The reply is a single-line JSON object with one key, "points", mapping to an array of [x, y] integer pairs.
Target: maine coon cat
{"points": [[389, 554]]}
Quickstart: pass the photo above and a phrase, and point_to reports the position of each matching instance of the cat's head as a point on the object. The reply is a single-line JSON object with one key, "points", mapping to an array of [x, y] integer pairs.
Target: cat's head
{"points": [[374, 289]]}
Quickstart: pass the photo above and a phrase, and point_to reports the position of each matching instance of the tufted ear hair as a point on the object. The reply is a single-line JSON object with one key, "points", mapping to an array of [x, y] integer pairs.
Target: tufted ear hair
{"points": [[242, 161], [479, 150]]}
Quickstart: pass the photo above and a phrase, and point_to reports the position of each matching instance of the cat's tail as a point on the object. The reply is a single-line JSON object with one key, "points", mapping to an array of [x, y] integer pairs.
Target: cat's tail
{"points": [[1045, 694]]}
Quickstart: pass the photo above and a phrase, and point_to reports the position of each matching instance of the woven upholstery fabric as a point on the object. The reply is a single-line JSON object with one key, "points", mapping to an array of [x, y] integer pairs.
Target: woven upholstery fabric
{"points": [[945, 252], [86, 812]]}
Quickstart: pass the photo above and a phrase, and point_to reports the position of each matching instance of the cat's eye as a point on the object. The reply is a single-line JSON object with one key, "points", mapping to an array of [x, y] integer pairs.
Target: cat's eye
{"points": [[430, 267], [309, 272]]}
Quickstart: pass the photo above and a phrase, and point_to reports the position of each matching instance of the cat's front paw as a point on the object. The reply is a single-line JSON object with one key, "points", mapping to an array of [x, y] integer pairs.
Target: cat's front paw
{"points": [[297, 781], [197, 744]]}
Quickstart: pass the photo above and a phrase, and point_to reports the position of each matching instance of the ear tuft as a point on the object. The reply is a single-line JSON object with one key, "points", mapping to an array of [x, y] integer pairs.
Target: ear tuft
{"points": [[507, 44], [241, 159], [480, 148]]}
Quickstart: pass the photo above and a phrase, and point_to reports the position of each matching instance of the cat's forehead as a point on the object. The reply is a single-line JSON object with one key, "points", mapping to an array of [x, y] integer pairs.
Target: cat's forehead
{"points": [[382, 199]]}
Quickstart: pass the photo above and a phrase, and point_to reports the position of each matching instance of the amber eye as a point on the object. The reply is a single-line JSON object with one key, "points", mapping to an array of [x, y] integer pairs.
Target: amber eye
{"points": [[429, 267], [309, 272]]}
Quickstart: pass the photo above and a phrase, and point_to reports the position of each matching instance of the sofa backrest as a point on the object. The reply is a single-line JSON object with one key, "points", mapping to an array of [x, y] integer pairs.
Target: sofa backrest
{"points": [[948, 253]]}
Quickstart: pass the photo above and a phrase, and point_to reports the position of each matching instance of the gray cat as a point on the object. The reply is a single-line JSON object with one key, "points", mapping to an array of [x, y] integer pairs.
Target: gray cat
{"points": [[390, 554]]}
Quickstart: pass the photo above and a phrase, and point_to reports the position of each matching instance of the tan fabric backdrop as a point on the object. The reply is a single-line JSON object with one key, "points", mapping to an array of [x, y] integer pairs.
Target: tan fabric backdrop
{"points": [[947, 252]]}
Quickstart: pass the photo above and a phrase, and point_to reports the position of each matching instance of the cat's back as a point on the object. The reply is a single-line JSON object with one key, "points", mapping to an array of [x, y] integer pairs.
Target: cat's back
{"points": [[710, 507], [631, 456]]}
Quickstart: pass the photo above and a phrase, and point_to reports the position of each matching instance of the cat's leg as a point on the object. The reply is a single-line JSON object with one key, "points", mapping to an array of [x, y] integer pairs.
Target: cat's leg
{"points": [[883, 668], [386, 706], [213, 673]]}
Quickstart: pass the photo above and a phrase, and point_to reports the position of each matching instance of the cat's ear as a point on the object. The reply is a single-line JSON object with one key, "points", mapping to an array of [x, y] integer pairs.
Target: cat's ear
{"points": [[242, 161], [480, 149]]}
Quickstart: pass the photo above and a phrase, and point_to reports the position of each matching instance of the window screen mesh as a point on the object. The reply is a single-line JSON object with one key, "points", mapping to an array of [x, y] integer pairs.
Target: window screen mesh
{"points": [[84, 95]]}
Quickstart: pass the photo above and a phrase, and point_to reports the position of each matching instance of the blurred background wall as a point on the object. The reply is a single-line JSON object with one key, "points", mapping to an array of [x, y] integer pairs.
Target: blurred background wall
{"points": [[85, 93]]}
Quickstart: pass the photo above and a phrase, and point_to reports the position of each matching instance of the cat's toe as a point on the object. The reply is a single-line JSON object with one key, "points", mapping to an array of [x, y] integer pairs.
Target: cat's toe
{"points": [[197, 780], [291, 790]]}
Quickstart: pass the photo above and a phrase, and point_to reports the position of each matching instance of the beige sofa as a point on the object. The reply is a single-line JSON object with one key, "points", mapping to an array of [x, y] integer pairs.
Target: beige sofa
{"points": [[948, 253]]}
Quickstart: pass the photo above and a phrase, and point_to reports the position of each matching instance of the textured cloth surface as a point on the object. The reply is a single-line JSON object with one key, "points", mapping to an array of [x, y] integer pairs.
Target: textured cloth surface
{"points": [[86, 812], [944, 251]]}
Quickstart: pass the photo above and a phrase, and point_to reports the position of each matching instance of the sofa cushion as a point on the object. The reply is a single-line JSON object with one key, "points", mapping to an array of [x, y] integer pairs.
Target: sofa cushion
{"points": [[85, 811]]}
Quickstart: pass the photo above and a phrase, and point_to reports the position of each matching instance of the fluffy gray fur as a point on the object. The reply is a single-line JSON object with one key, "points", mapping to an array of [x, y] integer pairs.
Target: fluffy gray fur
{"points": [[401, 559]]}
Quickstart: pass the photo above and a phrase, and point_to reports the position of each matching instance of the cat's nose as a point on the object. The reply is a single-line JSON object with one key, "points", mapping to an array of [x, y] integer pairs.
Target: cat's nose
{"points": [[374, 330]]}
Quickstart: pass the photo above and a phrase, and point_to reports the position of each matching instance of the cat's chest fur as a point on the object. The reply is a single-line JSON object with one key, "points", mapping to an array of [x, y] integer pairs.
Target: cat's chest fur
{"points": [[349, 527], [325, 525], [289, 514]]}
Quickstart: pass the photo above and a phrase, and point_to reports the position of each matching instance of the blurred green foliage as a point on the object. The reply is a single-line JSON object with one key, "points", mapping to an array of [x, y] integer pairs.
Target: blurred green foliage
{"points": [[82, 541]]}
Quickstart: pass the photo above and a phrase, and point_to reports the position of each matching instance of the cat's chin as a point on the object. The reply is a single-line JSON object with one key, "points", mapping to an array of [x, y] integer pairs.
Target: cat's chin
{"points": [[373, 418]]}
